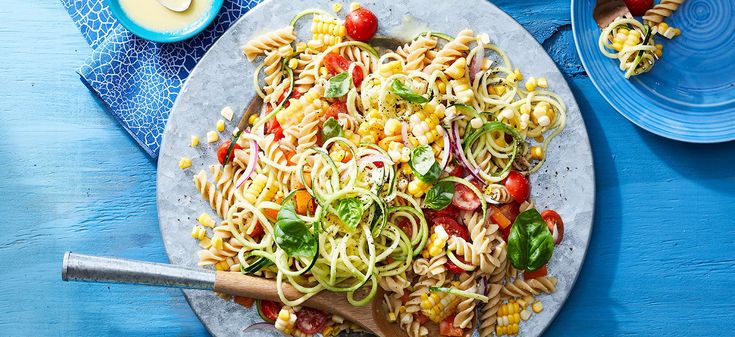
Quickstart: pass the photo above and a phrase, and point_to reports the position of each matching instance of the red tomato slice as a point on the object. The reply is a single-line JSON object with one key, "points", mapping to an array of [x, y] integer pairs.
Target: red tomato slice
{"points": [[543, 271], [222, 152], [269, 310], [447, 328], [553, 220], [450, 211], [464, 198], [244, 301], [274, 128], [334, 110], [510, 211], [310, 321], [361, 24], [505, 232], [454, 268], [336, 63], [453, 228], [498, 218], [405, 226], [457, 171], [517, 185], [257, 231]]}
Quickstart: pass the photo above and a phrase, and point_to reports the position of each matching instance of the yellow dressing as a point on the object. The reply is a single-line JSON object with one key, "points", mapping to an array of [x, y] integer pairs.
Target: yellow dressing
{"points": [[153, 16]]}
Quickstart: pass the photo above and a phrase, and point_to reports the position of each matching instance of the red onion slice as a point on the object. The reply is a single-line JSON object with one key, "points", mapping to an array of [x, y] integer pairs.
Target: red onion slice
{"points": [[251, 164], [460, 153], [476, 65]]}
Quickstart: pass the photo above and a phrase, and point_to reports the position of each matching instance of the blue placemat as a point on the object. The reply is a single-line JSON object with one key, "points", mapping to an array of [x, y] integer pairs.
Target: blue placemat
{"points": [[138, 80]]}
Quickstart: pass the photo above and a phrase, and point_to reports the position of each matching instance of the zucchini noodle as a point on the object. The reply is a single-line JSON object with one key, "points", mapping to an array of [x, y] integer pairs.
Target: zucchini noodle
{"points": [[634, 59]]}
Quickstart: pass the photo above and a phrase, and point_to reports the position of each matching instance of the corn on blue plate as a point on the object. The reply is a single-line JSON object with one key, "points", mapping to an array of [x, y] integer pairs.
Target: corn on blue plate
{"points": [[690, 93]]}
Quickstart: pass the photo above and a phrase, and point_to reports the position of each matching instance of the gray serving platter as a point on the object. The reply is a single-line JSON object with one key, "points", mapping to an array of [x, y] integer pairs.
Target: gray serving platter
{"points": [[223, 78]]}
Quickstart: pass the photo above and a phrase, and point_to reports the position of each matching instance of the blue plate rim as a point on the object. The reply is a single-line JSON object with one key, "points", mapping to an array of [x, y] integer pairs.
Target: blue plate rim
{"points": [[154, 36], [668, 135]]}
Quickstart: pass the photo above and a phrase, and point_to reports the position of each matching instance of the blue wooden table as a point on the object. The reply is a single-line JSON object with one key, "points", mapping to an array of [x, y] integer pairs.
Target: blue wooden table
{"points": [[661, 261]]}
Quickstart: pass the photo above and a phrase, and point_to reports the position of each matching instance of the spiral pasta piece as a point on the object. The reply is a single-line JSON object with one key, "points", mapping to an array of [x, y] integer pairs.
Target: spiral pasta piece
{"points": [[660, 11]]}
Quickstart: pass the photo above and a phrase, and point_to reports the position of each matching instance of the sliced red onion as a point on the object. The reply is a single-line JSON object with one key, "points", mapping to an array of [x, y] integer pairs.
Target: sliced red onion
{"points": [[458, 149], [476, 65], [251, 164], [261, 326], [483, 285], [445, 151], [404, 135]]}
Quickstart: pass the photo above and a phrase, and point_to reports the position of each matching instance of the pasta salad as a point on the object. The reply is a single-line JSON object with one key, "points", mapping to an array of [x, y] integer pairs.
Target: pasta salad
{"points": [[403, 169]]}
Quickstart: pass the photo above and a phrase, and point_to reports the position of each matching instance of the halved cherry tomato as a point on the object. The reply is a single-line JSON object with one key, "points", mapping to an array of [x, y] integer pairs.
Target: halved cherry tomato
{"points": [[543, 271], [222, 152], [505, 232], [244, 301], [274, 128], [361, 24], [310, 320], [464, 198], [257, 231], [447, 328], [335, 108], [405, 226], [421, 318], [453, 228], [336, 63], [457, 171], [450, 211], [553, 220], [517, 185], [455, 268], [498, 218], [268, 310]]}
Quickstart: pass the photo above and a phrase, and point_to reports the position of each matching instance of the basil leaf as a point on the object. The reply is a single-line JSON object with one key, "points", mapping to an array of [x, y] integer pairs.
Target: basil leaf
{"points": [[291, 233], [530, 243], [338, 85], [350, 212], [400, 89], [331, 128], [440, 195], [422, 158]]}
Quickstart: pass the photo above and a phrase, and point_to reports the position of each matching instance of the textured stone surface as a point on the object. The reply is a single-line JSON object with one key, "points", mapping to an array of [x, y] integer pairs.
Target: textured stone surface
{"points": [[565, 183]]}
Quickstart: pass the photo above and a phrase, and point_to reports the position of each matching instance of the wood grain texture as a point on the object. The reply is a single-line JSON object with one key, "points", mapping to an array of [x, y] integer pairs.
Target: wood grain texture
{"points": [[661, 260]]}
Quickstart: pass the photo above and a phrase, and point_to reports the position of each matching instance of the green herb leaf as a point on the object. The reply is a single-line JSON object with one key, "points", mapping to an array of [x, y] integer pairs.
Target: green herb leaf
{"points": [[404, 92], [291, 233], [530, 243], [350, 212], [331, 129], [424, 165], [440, 195], [338, 85]]}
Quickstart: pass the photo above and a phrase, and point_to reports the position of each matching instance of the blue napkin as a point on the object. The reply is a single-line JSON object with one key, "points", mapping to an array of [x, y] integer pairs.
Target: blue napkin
{"points": [[138, 80]]}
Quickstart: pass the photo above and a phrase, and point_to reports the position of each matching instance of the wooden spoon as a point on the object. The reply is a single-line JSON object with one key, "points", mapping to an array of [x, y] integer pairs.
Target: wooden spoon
{"points": [[87, 268]]}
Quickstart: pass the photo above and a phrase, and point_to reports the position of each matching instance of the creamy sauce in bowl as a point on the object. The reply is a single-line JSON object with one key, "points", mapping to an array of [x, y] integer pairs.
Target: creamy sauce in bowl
{"points": [[153, 16]]}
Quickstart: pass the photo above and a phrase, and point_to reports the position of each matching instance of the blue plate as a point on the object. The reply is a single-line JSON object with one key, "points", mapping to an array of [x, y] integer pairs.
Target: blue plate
{"points": [[166, 37], [690, 93]]}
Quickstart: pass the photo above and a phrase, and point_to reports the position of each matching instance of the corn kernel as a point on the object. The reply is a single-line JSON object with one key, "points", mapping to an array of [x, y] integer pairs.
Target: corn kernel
{"points": [[525, 314], [212, 136], [336, 7], [516, 318], [617, 46], [537, 153], [227, 113], [476, 122], [542, 82], [354, 6], [184, 163], [518, 74], [253, 119], [194, 141], [293, 63], [503, 310], [511, 77], [315, 44], [205, 220], [300, 47], [217, 242], [531, 84], [500, 90], [537, 307], [662, 27], [513, 329], [220, 125], [198, 232]]}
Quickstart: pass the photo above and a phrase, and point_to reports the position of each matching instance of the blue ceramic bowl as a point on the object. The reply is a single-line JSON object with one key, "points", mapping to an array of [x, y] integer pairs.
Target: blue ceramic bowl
{"points": [[165, 37], [690, 93]]}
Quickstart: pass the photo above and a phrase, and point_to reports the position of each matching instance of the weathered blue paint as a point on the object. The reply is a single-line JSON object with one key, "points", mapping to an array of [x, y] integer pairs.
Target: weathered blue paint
{"points": [[661, 261]]}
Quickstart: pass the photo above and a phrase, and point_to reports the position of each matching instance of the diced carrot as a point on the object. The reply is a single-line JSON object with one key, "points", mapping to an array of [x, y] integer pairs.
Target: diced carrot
{"points": [[302, 199], [244, 301], [499, 218], [270, 213], [348, 156]]}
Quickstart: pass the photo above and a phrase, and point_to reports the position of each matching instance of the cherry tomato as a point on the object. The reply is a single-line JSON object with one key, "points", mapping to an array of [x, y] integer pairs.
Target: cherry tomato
{"points": [[638, 7], [274, 128], [505, 232], [455, 268], [222, 152], [336, 63], [336, 108], [257, 231], [464, 198], [457, 171], [244, 301], [361, 24], [543, 271], [310, 321], [453, 228], [406, 227], [517, 185], [450, 211], [447, 328], [553, 220], [268, 310]]}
